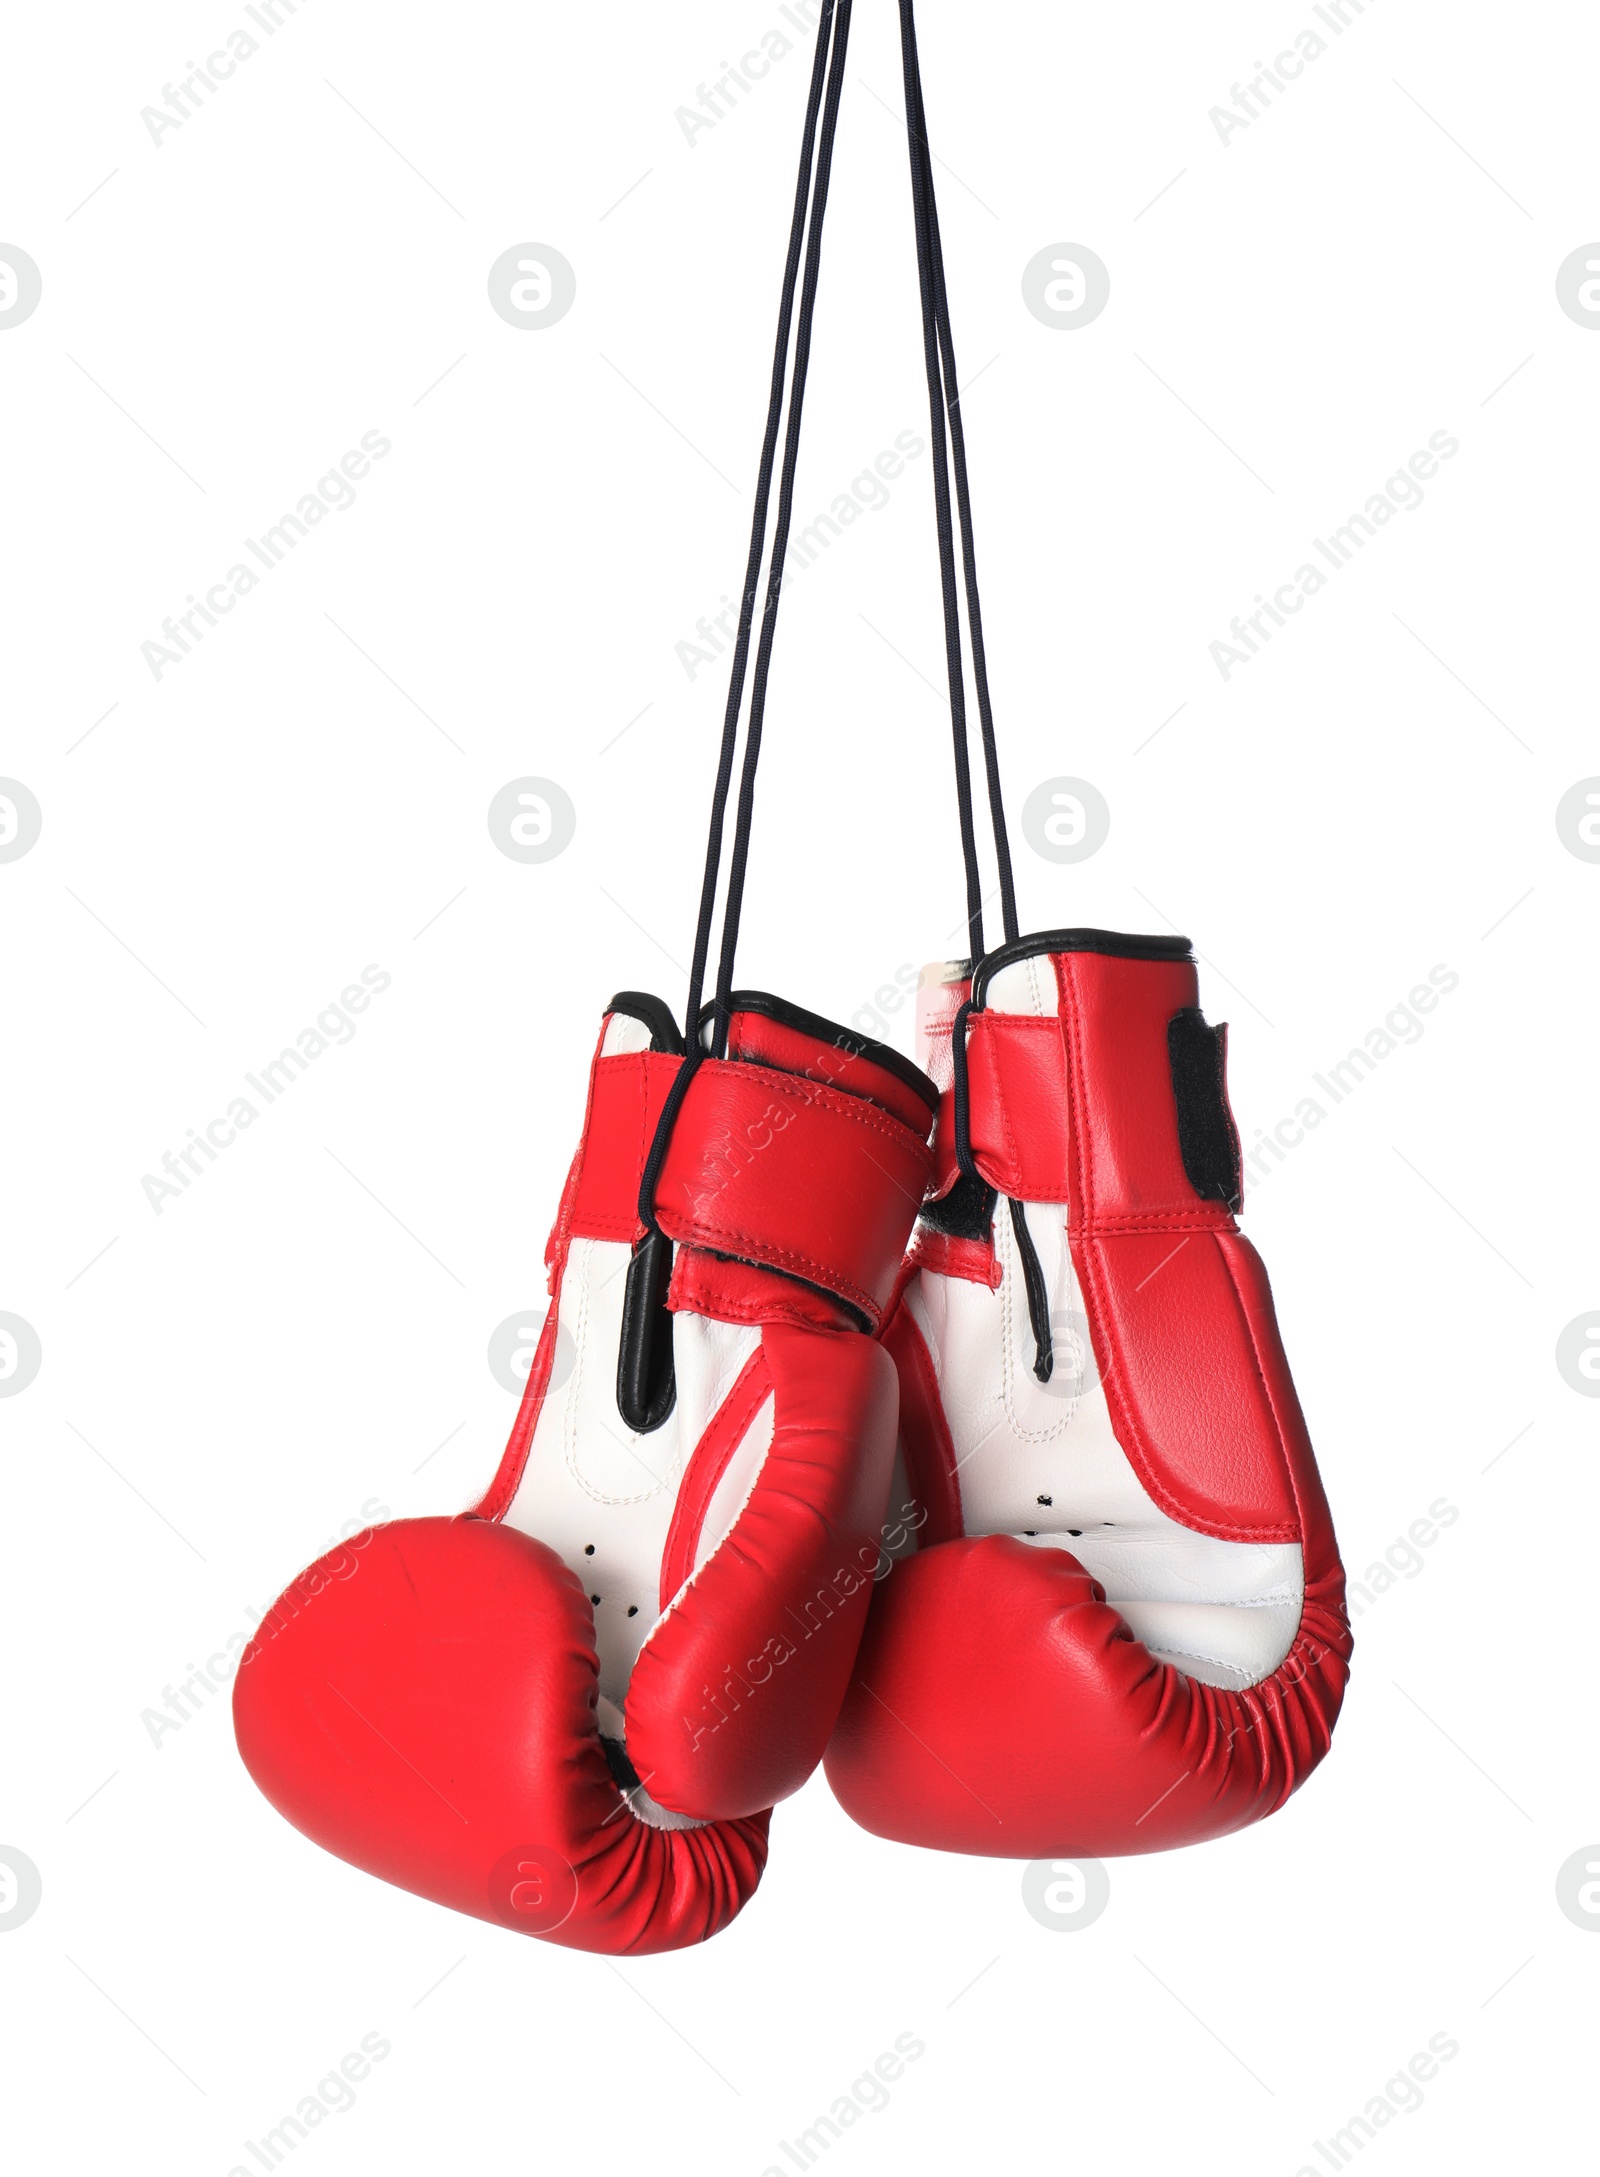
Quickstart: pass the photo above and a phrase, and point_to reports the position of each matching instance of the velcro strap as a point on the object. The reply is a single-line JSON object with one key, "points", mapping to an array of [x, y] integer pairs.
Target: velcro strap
{"points": [[793, 1176], [1016, 1066]]}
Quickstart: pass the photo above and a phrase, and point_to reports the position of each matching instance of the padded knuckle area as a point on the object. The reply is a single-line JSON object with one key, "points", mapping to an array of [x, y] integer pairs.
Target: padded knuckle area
{"points": [[427, 1711]]}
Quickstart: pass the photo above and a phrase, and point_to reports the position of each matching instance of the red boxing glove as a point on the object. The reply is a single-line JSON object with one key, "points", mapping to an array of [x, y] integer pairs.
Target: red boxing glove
{"points": [[570, 1710], [1124, 1626]]}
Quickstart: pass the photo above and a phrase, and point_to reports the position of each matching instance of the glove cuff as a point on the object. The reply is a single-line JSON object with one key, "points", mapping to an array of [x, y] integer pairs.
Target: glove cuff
{"points": [[791, 1176], [1105, 1091]]}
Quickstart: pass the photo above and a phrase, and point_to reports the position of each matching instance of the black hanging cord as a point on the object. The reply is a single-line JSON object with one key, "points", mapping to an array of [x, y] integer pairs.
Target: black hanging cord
{"points": [[944, 401], [805, 241], [944, 410], [938, 406], [1038, 1293], [822, 110], [758, 529], [780, 536], [936, 304]]}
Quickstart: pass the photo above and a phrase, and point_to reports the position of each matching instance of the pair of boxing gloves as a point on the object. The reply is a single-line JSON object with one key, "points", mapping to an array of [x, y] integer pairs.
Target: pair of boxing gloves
{"points": [[1094, 1606]]}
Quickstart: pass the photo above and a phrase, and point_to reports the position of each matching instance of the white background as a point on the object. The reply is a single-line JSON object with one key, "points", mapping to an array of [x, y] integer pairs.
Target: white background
{"points": [[304, 1329]]}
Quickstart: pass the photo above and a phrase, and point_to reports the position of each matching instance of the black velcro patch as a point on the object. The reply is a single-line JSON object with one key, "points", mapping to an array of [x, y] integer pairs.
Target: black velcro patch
{"points": [[965, 1213], [1207, 1136]]}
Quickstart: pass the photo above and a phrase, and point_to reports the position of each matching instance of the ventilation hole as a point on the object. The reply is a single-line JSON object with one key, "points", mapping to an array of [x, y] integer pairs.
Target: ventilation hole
{"points": [[1030, 1530], [1074, 1530], [1044, 1500], [633, 1610], [588, 1549], [1108, 1523], [595, 1600]]}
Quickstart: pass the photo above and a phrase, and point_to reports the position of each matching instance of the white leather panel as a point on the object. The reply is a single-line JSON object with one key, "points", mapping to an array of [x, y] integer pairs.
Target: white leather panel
{"points": [[1041, 1460], [623, 1034], [1027, 986], [601, 1496]]}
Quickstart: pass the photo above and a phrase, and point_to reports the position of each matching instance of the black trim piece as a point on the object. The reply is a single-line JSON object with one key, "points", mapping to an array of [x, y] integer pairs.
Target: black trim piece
{"points": [[828, 1031], [1044, 1359], [1115, 943], [655, 1014], [623, 1773], [965, 1213], [960, 1100], [1207, 1136], [647, 1384]]}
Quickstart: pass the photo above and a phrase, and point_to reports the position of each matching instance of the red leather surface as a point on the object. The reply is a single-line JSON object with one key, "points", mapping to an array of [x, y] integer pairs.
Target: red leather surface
{"points": [[948, 1254], [1185, 1335], [814, 1174], [422, 1701], [768, 1042], [1001, 1706], [626, 1094], [707, 1464], [735, 1692], [1178, 1305], [429, 1716], [1021, 1109], [924, 1433], [1123, 1120], [794, 1176], [737, 1292], [1017, 1103]]}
